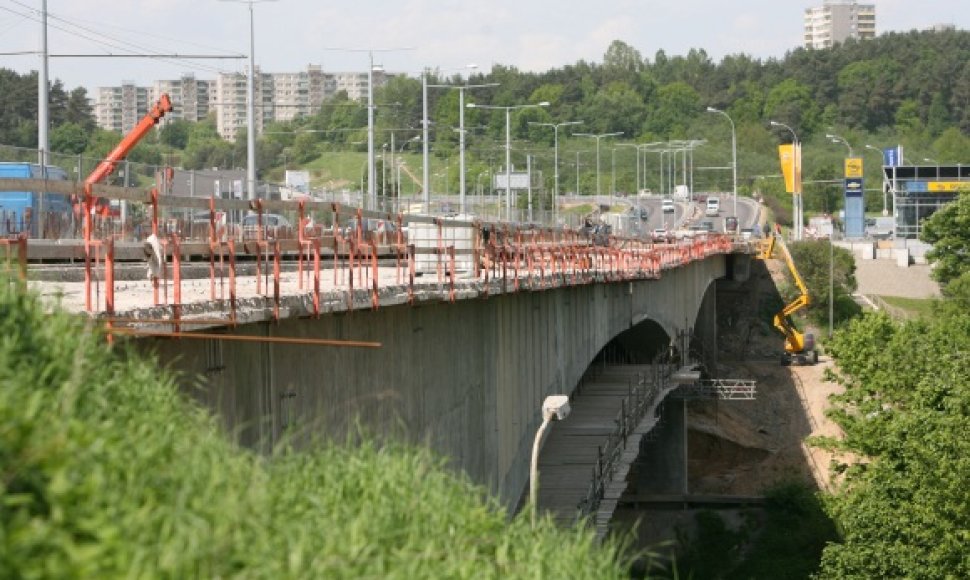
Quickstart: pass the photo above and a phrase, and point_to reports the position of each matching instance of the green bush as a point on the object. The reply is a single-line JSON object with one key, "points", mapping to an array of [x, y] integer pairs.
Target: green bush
{"points": [[106, 471]]}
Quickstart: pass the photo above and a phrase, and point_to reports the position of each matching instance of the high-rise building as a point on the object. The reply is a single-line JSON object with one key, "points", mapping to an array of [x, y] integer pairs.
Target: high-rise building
{"points": [[192, 99], [837, 20], [120, 108], [279, 97]]}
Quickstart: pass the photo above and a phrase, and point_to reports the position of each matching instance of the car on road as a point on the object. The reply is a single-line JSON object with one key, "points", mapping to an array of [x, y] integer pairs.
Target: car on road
{"points": [[667, 205], [660, 235], [730, 224], [713, 207]]}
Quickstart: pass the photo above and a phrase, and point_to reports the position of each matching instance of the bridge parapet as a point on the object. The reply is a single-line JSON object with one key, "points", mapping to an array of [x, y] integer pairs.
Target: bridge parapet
{"points": [[336, 257]]}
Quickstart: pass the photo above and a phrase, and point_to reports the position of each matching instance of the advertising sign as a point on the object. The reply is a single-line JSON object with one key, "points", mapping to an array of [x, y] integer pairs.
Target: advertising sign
{"points": [[519, 180], [853, 187], [948, 186], [893, 156], [853, 167], [790, 157]]}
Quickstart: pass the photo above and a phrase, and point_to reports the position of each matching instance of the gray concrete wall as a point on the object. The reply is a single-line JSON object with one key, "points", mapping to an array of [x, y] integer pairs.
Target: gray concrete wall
{"points": [[466, 379]]}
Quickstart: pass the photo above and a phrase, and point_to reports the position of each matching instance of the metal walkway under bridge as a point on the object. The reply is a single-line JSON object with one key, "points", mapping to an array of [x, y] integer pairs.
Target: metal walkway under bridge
{"points": [[585, 460]]}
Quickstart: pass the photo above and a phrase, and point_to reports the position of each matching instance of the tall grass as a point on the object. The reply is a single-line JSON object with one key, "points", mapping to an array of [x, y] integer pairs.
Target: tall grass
{"points": [[106, 471]]}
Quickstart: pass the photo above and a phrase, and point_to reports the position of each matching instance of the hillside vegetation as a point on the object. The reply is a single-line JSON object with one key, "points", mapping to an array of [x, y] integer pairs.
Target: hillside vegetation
{"points": [[106, 471], [908, 88]]}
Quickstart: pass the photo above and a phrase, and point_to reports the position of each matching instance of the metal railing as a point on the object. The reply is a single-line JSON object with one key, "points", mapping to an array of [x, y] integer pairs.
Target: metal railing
{"points": [[640, 399]]}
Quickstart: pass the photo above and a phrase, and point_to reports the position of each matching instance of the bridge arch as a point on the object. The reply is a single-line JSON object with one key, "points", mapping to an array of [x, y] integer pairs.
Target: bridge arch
{"points": [[466, 379]]}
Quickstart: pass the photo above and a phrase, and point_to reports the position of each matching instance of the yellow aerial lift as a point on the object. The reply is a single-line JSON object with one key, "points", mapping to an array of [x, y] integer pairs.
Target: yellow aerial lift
{"points": [[799, 347]]}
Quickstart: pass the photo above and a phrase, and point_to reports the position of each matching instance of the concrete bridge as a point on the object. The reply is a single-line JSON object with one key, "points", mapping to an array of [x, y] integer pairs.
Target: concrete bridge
{"points": [[467, 352], [466, 378]]}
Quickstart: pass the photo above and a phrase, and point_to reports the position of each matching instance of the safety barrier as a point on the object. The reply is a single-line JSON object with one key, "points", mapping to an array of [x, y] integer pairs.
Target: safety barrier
{"points": [[342, 252]]}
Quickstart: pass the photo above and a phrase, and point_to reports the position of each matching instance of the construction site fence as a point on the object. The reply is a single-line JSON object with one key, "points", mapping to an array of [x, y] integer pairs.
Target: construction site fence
{"points": [[339, 250]]}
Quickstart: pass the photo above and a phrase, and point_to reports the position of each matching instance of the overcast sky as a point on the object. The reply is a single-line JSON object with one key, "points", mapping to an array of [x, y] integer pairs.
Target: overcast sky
{"points": [[406, 35]]}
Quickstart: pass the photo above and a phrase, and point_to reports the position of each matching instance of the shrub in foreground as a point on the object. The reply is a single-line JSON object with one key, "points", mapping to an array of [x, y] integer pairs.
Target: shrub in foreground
{"points": [[106, 471]]}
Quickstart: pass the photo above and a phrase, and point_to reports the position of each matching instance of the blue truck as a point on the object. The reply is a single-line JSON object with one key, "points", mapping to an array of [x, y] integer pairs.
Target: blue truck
{"points": [[24, 211]]}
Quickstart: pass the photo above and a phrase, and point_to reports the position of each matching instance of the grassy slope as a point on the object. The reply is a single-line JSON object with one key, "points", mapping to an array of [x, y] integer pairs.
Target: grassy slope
{"points": [[107, 471]]}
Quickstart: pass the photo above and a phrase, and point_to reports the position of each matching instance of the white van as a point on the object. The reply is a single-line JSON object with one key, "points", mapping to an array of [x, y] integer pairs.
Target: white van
{"points": [[667, 205], [713, 206]]}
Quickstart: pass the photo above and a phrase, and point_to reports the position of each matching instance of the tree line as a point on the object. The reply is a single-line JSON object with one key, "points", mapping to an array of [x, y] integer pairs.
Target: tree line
{"points": [[911, 88]]}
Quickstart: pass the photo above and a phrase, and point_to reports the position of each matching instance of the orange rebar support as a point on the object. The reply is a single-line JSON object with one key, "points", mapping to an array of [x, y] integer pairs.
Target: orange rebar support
{"points": [[300, 238], [176, 279], [316, 278], [212, 246], [109, 276], [375, 296], [410, 273], [276, 281], [451, 255], [232, 279]]}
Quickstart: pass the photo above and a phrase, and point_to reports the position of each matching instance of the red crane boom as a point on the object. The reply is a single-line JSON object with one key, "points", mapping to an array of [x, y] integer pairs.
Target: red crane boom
{"points": [[106, 167]]}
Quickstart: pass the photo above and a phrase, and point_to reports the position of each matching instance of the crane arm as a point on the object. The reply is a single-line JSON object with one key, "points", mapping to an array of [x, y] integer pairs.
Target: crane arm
{"points": [[106, 167], [794, 340]]}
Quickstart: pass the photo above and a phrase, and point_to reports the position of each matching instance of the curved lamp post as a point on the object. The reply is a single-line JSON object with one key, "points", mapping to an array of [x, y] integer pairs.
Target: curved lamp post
{"points": [[554, 408], [598, 137], [508, 145], [796, 209], [555, 191], [734, 154]]}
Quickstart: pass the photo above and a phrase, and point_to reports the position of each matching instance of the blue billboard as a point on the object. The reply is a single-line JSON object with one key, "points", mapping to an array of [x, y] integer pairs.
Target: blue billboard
{"points": [[855, 208]]}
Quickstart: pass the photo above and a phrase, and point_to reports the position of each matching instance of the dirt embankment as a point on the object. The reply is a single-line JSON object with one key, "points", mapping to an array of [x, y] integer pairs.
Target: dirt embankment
{"points": [[744, 447]]}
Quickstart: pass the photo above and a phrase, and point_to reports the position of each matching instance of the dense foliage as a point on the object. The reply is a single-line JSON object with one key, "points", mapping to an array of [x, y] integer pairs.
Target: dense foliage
{"points": [[911, 88], [813, 259], [106, 471], [904, 511], [948, 230], [784, 540]]}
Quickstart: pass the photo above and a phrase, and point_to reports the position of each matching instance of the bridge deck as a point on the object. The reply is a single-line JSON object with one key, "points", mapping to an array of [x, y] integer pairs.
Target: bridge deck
{"points": [[571, 450]]}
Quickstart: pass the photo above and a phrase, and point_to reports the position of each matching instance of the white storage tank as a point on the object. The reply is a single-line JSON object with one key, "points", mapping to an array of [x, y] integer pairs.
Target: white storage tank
{"points": [[425, 238]]}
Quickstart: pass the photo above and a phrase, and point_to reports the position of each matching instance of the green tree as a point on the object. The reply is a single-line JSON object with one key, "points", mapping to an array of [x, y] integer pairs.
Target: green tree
{"points": [[792, 103], [948, 230], [952, 146], [175, 133], [812, 258], [675, 106], [69, 138], [903, 510]]}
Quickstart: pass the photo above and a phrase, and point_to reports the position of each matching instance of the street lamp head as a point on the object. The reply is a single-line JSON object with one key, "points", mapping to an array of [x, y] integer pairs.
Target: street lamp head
{"points": [[713, 110], [544, 104], [555, 408], [775, 124]]}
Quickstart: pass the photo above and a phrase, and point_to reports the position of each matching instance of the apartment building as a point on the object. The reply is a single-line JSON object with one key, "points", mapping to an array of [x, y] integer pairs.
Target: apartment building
{"points": [[120, 108], [837, 20], [278, 97], [192, 99]]}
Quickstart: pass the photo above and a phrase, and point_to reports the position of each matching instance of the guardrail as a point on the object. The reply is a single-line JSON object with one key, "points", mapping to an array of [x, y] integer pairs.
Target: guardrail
{"points": [[641, 398], [336, 252]]}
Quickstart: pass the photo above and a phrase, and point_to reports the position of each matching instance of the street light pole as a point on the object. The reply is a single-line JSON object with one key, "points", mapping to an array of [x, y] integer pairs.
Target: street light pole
{"points": [[508, 145], [837, 139], [554, 408], [555, 189], [425, 176], [251, 103], [734, 155], [598, 137], [461, 130], [796, 206]]}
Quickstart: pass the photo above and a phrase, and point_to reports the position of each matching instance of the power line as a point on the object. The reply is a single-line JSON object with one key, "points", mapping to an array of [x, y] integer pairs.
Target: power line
{"points": [[111, 42]]}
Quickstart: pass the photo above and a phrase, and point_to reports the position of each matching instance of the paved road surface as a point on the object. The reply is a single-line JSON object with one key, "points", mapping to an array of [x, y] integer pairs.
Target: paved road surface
{"points": [[885, 278]]}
